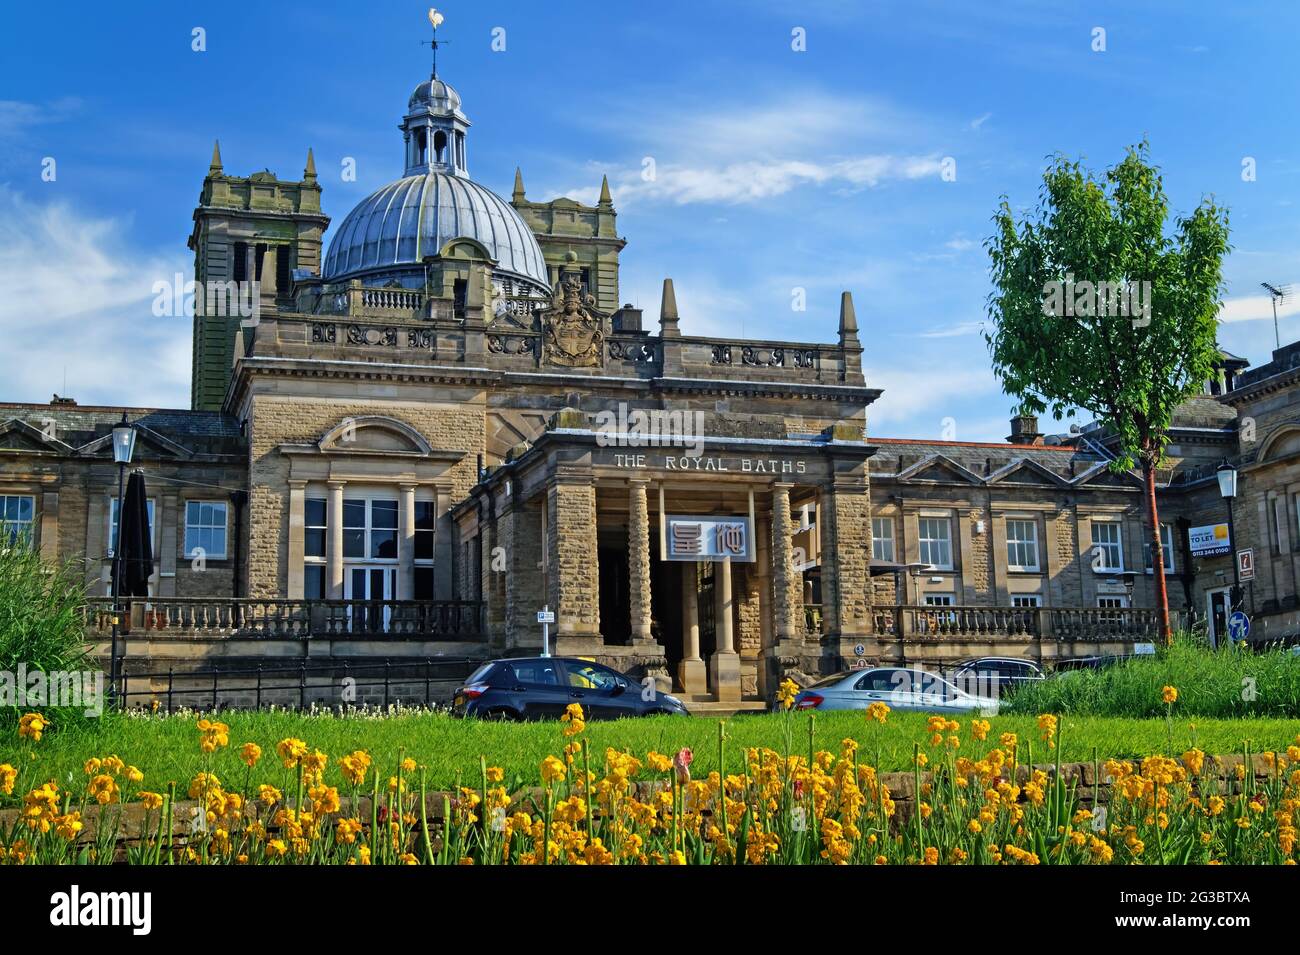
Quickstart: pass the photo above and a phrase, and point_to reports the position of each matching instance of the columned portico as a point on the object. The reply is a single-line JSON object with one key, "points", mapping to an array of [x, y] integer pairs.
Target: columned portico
{"points": [[691, 673], [724, 664]]}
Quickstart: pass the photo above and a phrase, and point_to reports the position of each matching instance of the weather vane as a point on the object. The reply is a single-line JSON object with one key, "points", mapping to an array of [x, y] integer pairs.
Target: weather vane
{"points": [[435, 18]]}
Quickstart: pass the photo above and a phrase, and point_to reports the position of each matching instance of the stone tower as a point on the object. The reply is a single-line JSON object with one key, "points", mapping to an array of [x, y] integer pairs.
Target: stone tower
{"points": [[255, 232]]}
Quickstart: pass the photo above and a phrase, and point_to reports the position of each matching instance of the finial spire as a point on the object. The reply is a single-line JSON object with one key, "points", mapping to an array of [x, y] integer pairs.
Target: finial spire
{"points": [[309, 174], [215, 168], [668, 312], [848, 322], [435, 18], [605, 198], [518, 194]]}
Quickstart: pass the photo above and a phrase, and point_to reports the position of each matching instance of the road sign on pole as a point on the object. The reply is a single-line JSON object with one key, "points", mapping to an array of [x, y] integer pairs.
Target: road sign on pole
{"points": [[546, 617], [1238, 627]]}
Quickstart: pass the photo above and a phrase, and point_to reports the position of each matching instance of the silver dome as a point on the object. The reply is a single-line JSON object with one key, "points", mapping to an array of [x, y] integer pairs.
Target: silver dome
{"points": [[415, 217]]}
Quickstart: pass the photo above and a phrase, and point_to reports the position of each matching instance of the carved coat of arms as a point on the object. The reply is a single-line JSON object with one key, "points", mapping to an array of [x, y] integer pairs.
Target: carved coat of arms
{"points": [[573, 329]]}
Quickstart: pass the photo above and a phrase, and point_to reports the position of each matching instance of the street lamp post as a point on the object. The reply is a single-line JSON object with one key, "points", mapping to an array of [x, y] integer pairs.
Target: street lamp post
{"points": [[123, 448], [1227, 476]]}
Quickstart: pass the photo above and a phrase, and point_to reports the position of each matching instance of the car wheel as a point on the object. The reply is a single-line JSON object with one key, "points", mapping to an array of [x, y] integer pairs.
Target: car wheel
{"points": [[501, 716]]}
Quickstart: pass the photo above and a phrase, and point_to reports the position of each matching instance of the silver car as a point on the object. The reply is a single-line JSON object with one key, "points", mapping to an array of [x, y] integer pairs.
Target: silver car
{"points": [[900, 688]]}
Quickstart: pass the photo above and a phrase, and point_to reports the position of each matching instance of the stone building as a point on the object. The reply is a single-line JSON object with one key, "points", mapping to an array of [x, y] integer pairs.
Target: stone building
{"points": [[447, 422]]}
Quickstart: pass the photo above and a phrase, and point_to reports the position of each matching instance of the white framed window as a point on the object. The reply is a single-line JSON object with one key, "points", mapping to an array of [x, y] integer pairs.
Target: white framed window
{"points": [[369, 529], [1166, 548], [17, 515], [426, 529], [1022, 544], [112, 525], [205, 529], [882, 538], [1107, 546], [1026, 600], [938, 600], [1112, 602], [315, 523], [934, 539]]}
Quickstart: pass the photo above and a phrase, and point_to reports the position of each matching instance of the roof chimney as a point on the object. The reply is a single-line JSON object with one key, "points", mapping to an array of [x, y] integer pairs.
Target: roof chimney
{"points": [[1024, 430]]}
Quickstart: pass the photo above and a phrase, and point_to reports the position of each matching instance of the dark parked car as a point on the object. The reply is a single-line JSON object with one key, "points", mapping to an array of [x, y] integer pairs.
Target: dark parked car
{"points": [[994, 676], [541, 688]]}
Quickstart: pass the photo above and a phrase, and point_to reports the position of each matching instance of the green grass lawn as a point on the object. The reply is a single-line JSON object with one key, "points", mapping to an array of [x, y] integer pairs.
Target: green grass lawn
{"points": [[166, 748]]}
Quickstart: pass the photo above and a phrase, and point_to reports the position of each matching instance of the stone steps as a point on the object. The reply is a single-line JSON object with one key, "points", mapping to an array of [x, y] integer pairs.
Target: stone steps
{"points": [[711, 707]]}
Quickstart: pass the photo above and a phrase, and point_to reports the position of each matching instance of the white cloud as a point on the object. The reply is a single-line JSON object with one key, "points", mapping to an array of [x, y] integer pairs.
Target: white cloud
{"points": [[979, 121], [759, 150], [77, 306], [1250, 308]]}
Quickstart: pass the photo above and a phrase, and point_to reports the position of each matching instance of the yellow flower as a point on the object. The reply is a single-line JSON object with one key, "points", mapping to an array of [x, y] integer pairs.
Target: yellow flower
{"points": [[354, 766], [878, 712], [32, 725], [552, 770], [979, 729], [291, 751], [408, 765], [786, 694], [250, 753], [1169, 694], [1047, 726], [495, 774], [573, 719], [276, 848], [8, 776], [213, 735]]}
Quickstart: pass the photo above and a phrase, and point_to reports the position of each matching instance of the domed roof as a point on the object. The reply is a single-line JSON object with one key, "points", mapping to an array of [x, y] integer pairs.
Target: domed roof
{"points": [[417, 216], [436, 94]]}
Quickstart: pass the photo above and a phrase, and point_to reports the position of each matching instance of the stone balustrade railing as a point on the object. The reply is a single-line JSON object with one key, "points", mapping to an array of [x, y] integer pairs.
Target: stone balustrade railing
{"points": [[1058, 623], [281, 619]]}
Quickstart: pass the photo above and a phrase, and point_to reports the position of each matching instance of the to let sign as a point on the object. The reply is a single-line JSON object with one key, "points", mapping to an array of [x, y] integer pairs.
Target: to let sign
{"points": [[709, 538], [1209, 540]]}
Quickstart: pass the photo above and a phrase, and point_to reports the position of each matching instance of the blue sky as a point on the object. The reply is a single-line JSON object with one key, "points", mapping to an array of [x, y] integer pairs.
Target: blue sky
{"points": [[776, 169]]}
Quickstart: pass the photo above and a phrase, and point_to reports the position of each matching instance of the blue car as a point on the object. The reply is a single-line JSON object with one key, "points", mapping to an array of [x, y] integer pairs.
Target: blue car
{"points": [[542, 688]]}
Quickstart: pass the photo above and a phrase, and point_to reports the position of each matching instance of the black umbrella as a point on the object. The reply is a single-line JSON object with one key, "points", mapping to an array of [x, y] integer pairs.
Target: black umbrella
{"points": [[137, 547]]}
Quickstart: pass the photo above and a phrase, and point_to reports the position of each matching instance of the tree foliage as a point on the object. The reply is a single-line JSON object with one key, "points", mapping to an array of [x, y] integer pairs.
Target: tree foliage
{"points": [[1129, 371]]}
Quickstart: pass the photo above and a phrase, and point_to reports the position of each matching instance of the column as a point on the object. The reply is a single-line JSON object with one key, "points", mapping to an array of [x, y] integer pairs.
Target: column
{"points": [[297, 542], [787, 602], [444, 555], [691, 673], [334, 541], [724, 665], [638, 561], [406, 542], [573, 568], [50, 525], [846, 552]]}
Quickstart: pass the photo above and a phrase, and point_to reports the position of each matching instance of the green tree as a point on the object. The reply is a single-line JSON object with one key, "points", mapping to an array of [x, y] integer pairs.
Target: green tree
{"points": [[1098, 306]]}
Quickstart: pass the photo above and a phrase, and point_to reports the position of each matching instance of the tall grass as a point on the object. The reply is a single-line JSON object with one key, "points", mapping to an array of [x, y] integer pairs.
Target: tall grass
{"points": [[1224, 683], [42, 617]]}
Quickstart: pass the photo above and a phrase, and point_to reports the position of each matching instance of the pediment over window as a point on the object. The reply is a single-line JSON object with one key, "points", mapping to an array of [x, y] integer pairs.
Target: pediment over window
{"points": [[373, 434], [1100, 476], [941, 469], [1025, 472], [1282, 443], [21, 437], [148, 443]]}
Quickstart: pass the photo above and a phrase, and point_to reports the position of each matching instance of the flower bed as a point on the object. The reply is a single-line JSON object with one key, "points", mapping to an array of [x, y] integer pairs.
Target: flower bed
{"points": [[970, 798]]}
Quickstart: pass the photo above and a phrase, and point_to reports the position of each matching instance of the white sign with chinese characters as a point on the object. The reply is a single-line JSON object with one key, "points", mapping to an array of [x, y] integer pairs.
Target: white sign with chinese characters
{"points": [[709, 538]]}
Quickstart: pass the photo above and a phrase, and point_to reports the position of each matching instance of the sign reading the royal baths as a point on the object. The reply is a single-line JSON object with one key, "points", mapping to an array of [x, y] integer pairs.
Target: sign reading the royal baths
{"points": [[709, 538]]}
